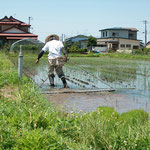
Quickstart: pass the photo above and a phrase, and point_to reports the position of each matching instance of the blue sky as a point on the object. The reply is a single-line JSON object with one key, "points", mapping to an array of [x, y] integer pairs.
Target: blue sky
{"points": [[73, 17]]}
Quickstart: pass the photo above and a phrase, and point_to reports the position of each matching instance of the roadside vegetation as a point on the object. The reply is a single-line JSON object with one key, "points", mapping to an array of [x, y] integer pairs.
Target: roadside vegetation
{"points": [[29, 121]]}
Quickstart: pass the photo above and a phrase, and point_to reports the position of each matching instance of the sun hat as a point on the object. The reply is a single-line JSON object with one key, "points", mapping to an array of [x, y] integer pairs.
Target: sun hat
{"points": [[52, 37]]}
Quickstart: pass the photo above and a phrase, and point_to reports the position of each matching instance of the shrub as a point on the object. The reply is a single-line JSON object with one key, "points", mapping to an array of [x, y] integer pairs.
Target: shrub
{"points": [[112, 51], [74, 50], [134, 117], [143, 51], [6, 47]]}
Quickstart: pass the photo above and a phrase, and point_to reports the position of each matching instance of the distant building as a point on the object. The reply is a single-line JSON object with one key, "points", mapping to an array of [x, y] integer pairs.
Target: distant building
{"points": [[81, 39], [12, 30], [148, 45], [118, 38]]}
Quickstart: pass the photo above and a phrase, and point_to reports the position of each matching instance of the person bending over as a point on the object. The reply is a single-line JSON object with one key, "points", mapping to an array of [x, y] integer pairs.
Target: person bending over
{"points": [[55, 59]]}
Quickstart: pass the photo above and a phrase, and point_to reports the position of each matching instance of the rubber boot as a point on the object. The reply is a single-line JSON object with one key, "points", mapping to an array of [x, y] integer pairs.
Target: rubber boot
{"points": [[51, 79], [64, 82]]}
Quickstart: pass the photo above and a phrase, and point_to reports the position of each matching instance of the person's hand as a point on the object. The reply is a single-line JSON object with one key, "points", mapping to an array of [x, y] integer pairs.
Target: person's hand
{"points": [[37, 61]]}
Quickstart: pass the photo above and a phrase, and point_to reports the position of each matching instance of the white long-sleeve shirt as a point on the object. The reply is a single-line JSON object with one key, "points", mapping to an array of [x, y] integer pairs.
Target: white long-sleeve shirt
{"points": [[55, 49]]}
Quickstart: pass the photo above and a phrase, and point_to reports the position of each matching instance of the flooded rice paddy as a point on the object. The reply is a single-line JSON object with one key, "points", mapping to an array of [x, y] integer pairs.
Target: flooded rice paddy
{"points": [[129, 78]]}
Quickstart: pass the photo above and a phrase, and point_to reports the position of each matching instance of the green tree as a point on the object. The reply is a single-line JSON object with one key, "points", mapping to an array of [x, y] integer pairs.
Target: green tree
{"points": [[92, 41], [75, 47], [66, 46]]}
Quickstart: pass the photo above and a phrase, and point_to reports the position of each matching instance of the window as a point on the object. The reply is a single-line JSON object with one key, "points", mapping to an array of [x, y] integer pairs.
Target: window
{"points": [[113, 34], [128, 46], [131, 35], [106, 34], [103, 45], [135, 47], [0, 28], [103, 34], [122, 45]]}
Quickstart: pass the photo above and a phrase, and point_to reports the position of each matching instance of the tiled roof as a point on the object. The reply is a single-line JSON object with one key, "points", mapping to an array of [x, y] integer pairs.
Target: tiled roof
{"points": [[2, 22], [18, 38], [12, 21], [18, 35]]}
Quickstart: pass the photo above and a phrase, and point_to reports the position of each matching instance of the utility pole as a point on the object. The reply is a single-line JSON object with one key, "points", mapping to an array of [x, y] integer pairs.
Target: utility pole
{"points": [[63, 37], [30, 18], [145, 22]]}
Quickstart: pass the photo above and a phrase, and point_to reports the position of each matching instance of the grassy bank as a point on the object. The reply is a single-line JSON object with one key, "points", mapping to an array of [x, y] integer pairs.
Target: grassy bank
{"points": [[28, 121]]}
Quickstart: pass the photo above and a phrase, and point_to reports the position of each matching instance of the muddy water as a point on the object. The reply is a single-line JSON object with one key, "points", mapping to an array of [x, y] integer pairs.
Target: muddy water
{"points": [[131, 81]]}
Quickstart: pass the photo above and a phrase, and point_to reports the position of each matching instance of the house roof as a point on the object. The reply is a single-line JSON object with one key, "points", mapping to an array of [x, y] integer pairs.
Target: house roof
{"points": [[13, 27], [79, 39], [148, 43], [12, 21], [120, 28], [17, 35], [19, 38], [78, 36]]}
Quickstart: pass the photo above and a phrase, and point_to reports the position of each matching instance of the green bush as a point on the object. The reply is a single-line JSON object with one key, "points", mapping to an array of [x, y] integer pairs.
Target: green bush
{"points": [[112, 51], [137, 51], [134, 117], [26, 47], [6, 47], [143, 51], [72, 50]]}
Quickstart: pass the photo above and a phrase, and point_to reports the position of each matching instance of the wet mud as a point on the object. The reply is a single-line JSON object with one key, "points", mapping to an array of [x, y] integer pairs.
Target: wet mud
{"points": [[87, 102]]}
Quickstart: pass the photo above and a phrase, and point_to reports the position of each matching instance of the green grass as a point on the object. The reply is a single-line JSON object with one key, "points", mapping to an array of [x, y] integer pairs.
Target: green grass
{"points": [[114, 55], [29, 121]]}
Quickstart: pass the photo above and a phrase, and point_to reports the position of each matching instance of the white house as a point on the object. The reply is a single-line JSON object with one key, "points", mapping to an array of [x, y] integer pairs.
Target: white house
{"points": [[118, 38]]}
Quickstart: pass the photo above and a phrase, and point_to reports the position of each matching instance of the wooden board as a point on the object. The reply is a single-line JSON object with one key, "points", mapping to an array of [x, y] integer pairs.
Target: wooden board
{"points": [[63, 90]]}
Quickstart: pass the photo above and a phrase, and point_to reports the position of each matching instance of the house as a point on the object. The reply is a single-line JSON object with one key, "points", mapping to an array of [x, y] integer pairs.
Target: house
{"points": [[118, 38], [81, 39], [12, 30], [148, 45]]}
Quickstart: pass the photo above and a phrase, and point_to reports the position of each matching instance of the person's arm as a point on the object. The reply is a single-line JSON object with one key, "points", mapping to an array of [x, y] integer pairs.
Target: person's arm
{"points": [[44, 49], [39, 56]]}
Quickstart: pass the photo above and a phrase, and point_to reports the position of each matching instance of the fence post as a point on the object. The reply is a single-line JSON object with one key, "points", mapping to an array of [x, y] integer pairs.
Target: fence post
{"points": [[20, 63]]}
